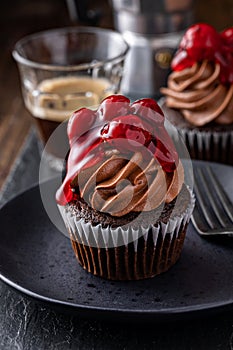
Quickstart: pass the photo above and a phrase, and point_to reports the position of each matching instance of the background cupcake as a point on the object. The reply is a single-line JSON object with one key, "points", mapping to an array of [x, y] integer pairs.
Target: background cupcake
{"points": [[199, 94], [123, 199]]}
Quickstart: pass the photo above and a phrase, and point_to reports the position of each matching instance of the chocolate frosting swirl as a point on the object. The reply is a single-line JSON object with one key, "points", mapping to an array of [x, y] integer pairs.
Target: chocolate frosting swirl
{"points": [[199, 95], [119, 186]]}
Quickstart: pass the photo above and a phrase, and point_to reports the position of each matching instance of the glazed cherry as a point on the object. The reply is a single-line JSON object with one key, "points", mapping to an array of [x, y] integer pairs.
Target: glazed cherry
{"points": [[201, 41], [80, 122], [227, 37], [181, 60], [227, 55], [112, 106], [148, 109], [126, 133]]}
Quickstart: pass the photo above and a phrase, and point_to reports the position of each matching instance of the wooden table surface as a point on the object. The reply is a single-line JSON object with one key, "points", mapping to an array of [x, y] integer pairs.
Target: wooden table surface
{"points": [[22, 17], [15, 121]]}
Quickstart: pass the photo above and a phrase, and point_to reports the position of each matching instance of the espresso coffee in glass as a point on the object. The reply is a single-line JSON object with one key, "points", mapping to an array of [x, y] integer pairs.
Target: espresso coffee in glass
{"points": [[65, 69]]}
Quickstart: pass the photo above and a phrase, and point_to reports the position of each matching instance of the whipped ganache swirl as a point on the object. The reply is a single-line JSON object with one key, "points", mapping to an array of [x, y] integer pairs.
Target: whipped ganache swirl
{"points": [[119, 186], [199, 95]]}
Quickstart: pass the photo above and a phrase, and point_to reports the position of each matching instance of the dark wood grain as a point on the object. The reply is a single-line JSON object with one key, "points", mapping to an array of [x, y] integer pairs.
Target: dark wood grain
{"points": [[17, 20], [14, 121]]}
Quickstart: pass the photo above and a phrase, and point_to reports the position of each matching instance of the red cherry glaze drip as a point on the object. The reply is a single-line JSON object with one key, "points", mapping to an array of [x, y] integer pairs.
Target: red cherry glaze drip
{"points": [[68, 194], [202, 42], [115, 125], [83, 153]]}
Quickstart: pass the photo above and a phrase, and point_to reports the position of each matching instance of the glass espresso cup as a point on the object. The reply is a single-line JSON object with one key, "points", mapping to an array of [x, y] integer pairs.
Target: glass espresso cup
{"points": [[64, 69]]}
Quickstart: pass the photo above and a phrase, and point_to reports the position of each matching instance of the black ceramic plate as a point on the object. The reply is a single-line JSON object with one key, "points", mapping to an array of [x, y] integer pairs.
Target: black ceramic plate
{"points": [[36, 259]]}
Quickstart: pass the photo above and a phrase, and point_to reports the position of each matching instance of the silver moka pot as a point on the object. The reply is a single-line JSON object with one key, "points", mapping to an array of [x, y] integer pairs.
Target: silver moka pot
{"points": [[153, 29]]}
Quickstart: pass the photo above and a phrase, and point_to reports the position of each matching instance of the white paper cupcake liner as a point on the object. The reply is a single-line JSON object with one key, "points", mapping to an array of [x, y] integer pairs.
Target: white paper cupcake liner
{"points": [[209, 145], [202, 144], [109, 237], [127, 253]]}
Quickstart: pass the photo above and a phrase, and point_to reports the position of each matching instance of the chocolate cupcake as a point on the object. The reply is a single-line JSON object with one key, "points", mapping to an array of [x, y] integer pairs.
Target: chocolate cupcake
{"points": [[123, 199], [199, 94]]}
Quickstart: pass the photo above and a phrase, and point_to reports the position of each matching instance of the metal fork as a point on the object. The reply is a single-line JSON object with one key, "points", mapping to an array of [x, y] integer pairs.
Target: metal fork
{"points": [[213, 213]]}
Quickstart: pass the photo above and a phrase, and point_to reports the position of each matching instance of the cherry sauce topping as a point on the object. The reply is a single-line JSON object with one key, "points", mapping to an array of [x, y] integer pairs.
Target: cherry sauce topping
{"points": [[141, 126], [80, 122], [112, 106], [227, 36], [202, 42]]}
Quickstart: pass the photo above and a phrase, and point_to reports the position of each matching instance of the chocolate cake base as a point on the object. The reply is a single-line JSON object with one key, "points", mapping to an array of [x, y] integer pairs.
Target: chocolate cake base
{"points": [[124, 263], [81, 210]]}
